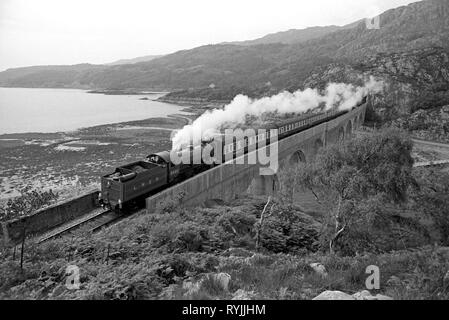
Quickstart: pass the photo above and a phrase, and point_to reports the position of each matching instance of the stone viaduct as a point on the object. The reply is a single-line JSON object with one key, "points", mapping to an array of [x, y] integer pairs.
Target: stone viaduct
{"points": [[229, 180]]}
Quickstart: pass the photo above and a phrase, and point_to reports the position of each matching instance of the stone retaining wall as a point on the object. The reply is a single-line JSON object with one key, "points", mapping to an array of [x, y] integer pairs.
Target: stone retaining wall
{"points": [[11, 231]]}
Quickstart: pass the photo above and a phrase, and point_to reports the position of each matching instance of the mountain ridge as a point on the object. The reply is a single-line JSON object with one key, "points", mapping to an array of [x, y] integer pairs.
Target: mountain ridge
{"points": [[134, 60], [289, 36], [265, 68]]}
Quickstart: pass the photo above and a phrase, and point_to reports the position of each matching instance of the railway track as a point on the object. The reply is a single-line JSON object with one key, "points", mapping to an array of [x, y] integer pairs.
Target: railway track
{"points": [[93, 221]]}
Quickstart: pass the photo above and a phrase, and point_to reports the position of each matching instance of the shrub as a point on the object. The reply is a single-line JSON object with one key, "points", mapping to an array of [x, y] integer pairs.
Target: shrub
{"points": [[28, 202], [287, 230]]}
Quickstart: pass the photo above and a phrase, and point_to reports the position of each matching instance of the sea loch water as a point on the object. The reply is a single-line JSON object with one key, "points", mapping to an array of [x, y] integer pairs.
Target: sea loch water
{"points": [[53, 110]]}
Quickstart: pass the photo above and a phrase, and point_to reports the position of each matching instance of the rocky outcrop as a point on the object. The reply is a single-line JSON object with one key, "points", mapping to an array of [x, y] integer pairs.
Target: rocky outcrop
{"points": [[366, 295], [413, 80], [319, 269], [338, 295], [426, 124], [333, 295]]}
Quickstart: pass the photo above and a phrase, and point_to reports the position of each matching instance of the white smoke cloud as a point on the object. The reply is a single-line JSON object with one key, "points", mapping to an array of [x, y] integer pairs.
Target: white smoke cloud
{"points": [[339, 95]]}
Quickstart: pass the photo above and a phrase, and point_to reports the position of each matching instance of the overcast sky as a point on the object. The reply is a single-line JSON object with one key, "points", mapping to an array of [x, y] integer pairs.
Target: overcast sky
{"points": [[41, 32]]}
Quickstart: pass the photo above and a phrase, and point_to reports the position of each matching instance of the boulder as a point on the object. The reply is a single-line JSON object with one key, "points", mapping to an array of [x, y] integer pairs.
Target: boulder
{"points": [[366, 295], [362, 295], [333, 295], [319, 268]]}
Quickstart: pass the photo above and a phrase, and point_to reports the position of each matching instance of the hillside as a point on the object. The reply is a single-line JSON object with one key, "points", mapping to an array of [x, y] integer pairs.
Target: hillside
{"points": [[133, 60], [48, 76], [259, 69], [417, 79], [416, 26]]}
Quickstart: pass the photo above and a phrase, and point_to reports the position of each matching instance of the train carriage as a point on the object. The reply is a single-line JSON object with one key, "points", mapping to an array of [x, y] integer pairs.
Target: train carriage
{"points": [[142, 178]]}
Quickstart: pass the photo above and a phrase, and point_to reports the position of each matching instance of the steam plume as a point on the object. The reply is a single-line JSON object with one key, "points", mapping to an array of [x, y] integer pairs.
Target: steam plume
{"points": [[336, 95]]}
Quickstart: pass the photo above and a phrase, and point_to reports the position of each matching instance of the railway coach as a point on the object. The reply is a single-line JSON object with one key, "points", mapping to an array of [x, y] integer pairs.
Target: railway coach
{"points": [[134, 182]]}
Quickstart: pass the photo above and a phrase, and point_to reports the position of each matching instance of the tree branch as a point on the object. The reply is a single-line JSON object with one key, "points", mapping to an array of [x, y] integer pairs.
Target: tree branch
{"points": [[262, 216]]}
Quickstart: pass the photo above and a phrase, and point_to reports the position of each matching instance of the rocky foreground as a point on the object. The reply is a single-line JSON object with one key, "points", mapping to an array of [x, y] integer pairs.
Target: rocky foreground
{"points": [[209, 253]]}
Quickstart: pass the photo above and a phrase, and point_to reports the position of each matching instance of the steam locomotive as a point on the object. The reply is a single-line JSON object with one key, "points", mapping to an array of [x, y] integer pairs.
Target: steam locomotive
{"points": [[135, 181]]}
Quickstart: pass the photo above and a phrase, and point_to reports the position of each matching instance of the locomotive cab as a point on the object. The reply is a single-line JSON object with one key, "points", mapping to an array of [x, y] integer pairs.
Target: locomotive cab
{"points": [[160, 159]]}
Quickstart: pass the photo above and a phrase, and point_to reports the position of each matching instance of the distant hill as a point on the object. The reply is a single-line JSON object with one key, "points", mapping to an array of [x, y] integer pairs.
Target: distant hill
{"points": [[134, 60], [48, 76], [259, 68]]}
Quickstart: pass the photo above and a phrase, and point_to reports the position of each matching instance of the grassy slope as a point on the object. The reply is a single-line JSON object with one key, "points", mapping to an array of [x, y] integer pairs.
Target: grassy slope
{"points": [[152, 256]]}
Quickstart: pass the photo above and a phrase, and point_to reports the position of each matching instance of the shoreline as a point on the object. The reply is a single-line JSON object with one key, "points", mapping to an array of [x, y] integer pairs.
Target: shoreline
{"points": [[49, 135], [70, 162], [125, 92]]}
